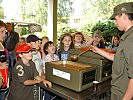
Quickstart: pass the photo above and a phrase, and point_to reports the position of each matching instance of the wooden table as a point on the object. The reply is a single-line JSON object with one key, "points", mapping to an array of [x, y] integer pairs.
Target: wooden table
{"points": [[103, 92]]}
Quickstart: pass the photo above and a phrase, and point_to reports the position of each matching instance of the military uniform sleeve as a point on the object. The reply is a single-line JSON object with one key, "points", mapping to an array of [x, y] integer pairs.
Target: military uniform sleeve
{"points": [[129, 60], [20, 73]]}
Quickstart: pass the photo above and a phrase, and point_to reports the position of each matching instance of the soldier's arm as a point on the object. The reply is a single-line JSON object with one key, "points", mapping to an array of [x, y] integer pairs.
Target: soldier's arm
{"points": [[103, 53]]}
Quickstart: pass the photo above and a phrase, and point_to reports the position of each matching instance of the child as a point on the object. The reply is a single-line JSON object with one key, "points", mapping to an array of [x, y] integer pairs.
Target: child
{"points": [[66, 43], [78, 40], [49, 50], [24, 76], [115, 43], [98, 39], [33, 41], [22, 40]]}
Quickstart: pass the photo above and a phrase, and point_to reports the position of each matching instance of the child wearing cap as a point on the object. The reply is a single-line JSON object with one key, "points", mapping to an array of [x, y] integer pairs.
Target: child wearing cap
{"points": [[24, 76], [98, 39], [33, 41]]}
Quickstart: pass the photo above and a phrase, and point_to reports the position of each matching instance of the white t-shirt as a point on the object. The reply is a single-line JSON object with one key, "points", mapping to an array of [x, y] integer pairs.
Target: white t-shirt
{"points": [[48, 58], [38, 61]]}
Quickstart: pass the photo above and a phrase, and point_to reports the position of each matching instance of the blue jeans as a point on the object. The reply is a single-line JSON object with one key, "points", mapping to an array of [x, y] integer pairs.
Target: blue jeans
{"points": [[12, 59], [2, 95], [47, 96]]}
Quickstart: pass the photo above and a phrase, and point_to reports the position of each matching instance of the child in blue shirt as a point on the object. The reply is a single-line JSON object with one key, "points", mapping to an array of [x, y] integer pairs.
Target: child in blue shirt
{"points": [[66, 43]]}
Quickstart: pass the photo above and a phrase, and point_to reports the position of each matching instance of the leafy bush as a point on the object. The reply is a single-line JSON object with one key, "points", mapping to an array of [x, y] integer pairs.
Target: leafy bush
{"points": [[64, 28], [24, 31], [108, 29], [86, 29]]}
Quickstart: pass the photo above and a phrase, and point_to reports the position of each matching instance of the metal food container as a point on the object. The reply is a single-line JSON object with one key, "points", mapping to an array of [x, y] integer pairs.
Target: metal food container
{"points": [[104, 66], [73, 75]]}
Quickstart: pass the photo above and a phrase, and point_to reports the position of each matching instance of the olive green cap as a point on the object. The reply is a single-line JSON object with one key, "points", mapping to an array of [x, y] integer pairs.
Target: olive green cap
{"points": [[122, 8]]}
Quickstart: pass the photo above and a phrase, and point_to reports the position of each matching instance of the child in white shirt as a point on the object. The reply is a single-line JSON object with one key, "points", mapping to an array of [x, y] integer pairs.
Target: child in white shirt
{"points": [[49, 50]]}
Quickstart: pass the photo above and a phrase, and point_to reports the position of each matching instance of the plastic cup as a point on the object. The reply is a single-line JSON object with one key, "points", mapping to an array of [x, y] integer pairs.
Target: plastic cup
{"points": [[64, 61], [95, 85]]}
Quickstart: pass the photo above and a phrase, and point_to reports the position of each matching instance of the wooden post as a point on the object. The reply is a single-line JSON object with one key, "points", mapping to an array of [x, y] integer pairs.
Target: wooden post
{"points": [[52, 20]]}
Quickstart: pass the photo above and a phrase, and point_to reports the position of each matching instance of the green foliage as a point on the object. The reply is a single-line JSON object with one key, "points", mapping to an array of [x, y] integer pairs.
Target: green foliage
{"points": [[68, 30], [86, 29], [1, 13], [24, 31], [92, 12], [108, 29], [98, 10], [64, 11], [44, 31], [34, 10], [63, 28]]}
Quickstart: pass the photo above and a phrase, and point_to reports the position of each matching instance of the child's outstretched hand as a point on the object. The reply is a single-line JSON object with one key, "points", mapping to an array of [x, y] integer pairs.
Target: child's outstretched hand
{"points": [[47, 83]]}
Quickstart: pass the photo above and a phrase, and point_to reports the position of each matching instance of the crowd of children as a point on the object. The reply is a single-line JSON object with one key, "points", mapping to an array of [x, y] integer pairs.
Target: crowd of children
{"points": [[31, 55]]}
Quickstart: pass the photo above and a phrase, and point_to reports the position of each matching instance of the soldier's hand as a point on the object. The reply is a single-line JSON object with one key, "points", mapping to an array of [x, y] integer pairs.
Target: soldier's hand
{"points": [[94, 49]]}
